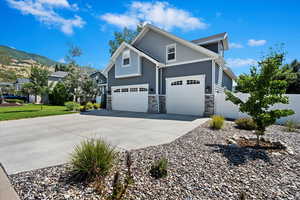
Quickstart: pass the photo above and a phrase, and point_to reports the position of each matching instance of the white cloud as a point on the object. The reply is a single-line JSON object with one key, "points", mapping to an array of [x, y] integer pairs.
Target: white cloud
{"points": [[161, 14], [62, 60], [235, 45], [120, 20], [254, 43], [240, 62], [44, 12]]}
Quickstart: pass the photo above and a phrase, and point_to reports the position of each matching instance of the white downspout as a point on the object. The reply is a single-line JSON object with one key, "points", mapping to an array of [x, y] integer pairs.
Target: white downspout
{"points": [[157, 86]]}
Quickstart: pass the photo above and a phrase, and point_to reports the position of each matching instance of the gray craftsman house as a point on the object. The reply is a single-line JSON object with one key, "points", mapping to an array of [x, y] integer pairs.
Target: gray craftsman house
{"points": [[162, 73]]}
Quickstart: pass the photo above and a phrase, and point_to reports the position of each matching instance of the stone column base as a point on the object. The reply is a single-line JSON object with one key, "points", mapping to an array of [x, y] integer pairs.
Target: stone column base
{"points": [[162, 104], [153, 106], [209, 105], [108, 102]]}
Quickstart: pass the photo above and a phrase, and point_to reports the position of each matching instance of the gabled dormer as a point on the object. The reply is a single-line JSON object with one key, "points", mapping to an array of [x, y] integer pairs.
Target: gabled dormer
{"points": [[217, 43]]}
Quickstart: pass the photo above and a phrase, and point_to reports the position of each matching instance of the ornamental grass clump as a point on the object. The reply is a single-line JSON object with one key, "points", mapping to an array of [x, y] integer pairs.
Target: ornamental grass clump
{"points": [[245, 123], [159, 169], [217, 122], [92, 158]]}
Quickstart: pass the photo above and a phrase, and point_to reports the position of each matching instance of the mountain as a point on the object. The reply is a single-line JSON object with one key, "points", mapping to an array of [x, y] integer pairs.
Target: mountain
{"points": [[17, 64], [7, 53]]}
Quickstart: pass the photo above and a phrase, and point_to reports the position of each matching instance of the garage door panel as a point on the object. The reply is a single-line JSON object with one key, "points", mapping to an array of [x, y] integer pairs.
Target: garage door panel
{"points": [[185, 95], [130, 98]]}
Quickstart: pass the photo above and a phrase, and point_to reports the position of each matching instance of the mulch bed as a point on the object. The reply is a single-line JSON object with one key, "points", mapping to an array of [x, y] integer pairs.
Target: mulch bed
{"points": [[10, 104], [201, 166], [263, 145]]}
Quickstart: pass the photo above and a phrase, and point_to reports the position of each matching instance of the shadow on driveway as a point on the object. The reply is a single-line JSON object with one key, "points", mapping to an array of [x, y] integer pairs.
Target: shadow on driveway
{"points": [[240, 155], [127, 114]]}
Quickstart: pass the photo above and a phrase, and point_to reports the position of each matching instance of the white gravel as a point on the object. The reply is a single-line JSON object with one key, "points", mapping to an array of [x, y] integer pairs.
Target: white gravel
{"points": [[201, 166]]}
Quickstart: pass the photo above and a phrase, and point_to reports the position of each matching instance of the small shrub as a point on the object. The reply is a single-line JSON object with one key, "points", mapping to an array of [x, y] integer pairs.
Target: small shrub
{"points": [[216, 122], [159, 168], [82, 109], [92, 158], [89, 106], [291, 126], [245, 123], [96, 106], [14, 101], [72, 106]]}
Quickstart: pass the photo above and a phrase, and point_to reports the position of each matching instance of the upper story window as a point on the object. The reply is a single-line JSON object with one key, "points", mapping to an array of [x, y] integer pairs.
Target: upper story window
{"points": [[126, 58], [171, 52]]}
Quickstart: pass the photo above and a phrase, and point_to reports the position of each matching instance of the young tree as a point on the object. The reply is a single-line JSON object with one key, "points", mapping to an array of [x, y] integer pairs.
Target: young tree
{"points": [[265, 90], [127, 35], [73, 83], [73, 52], [39, 80], [89, 88]]}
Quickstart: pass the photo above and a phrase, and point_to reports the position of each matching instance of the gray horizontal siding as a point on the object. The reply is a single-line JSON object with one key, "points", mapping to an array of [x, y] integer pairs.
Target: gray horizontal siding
{"points": [[188, 70], [147, 77], [154, 44], [212, 46], [226, 81], [133, 68]]}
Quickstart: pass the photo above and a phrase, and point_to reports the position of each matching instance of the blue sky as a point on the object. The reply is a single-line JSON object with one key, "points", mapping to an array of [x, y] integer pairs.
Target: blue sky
{"points": [[46, 27]]}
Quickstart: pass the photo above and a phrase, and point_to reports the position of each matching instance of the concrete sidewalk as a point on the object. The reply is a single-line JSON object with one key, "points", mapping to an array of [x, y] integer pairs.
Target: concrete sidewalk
{"points": [[41, 142], [7, 192]]}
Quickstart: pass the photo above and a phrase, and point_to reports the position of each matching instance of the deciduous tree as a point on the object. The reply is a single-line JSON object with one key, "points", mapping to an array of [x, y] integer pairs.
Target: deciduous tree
{"points": [[265, 90]]}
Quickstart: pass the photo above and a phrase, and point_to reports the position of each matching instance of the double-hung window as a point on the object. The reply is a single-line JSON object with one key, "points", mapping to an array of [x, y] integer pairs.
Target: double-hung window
{"points": [[126, 58], [171, 52]]}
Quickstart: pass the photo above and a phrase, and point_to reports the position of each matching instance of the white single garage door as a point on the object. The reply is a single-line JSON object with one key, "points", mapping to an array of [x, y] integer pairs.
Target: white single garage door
{"points": [[130, 98], [185, 95]]}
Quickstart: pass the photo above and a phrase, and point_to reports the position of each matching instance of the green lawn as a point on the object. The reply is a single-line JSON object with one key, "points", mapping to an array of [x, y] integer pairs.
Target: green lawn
{"points": [[30, 110]]}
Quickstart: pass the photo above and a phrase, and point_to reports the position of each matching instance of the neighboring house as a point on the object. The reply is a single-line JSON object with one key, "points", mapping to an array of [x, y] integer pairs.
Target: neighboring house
{"points": [[101, 81], [20, 82], [162, 73], [57, 76]]}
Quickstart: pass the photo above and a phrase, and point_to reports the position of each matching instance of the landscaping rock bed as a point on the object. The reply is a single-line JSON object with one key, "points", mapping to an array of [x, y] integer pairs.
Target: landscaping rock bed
{"points": [[201, 166]]}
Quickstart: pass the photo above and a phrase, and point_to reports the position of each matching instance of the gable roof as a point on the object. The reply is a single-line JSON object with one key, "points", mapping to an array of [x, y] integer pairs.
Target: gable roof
{"points": [[213, 38], [22, 80], [189, 44], [59, 74], [139, 52]]}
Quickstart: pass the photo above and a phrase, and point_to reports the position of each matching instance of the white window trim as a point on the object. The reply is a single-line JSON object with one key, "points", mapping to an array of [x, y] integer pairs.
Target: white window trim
{"points": [[167, 47], [126, 54]]}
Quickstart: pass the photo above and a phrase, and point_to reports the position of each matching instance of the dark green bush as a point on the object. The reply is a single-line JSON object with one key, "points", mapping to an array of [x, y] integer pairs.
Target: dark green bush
{"points": [[14, 101], [245, 123], [160, 168], [92, 158], [59, 95], [72, 106], [217, 122]]}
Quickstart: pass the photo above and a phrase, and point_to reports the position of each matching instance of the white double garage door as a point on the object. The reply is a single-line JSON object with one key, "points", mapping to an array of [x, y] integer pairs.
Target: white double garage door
{"points": [[184, 95]]}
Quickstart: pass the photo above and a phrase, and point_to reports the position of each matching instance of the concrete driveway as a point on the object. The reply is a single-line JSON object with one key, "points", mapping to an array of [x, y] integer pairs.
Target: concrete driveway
{"points": [[41, 142]]}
